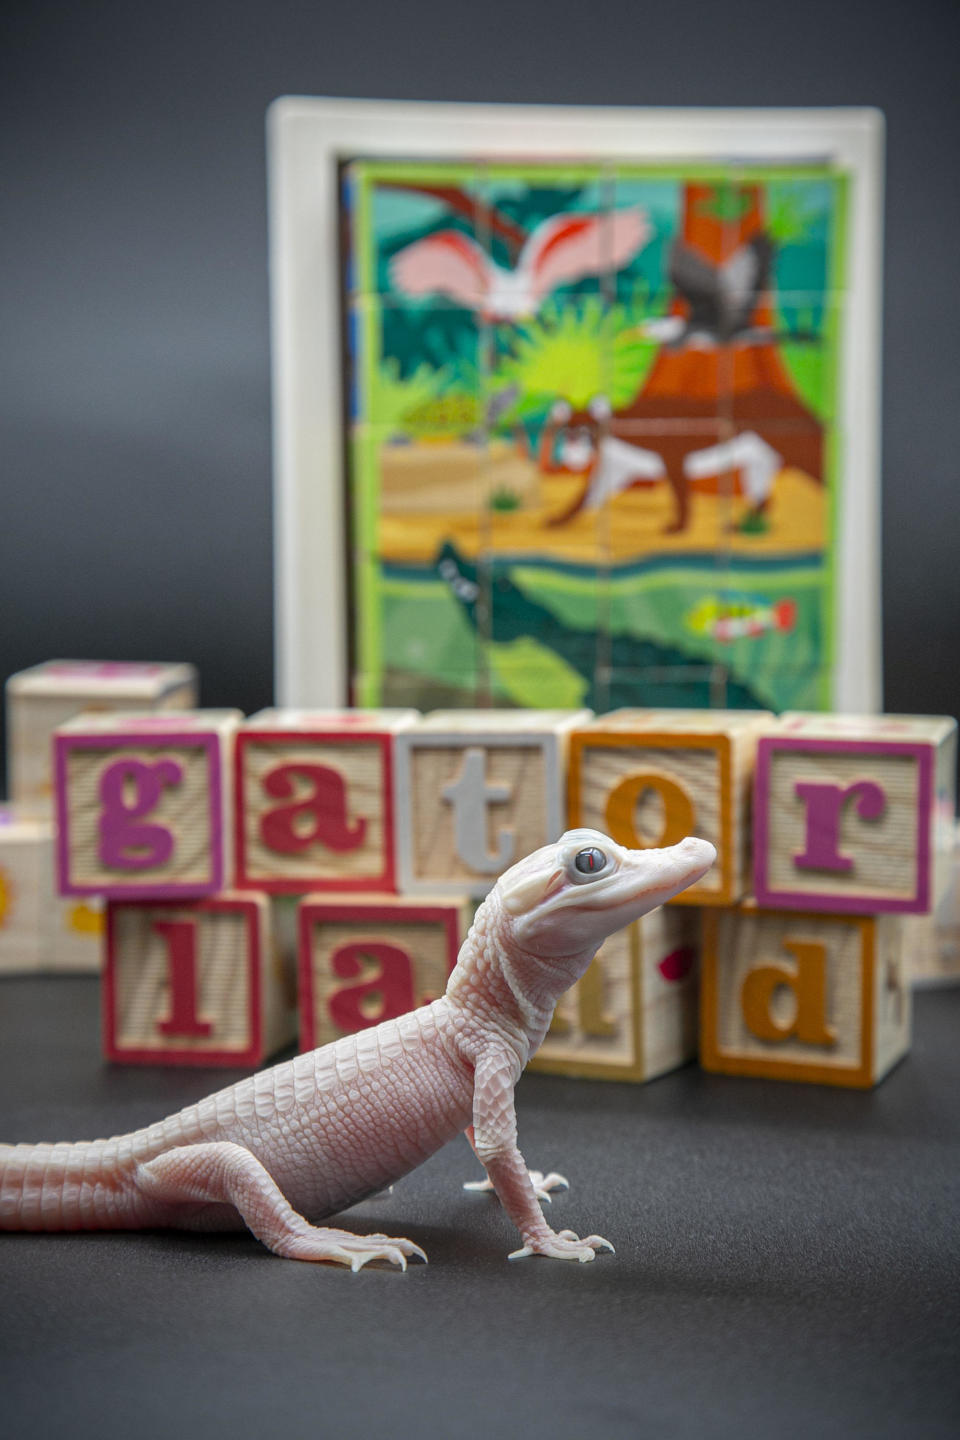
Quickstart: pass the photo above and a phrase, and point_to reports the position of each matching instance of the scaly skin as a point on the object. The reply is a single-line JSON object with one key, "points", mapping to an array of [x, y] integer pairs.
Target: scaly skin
{"points": [[315, 1134]]}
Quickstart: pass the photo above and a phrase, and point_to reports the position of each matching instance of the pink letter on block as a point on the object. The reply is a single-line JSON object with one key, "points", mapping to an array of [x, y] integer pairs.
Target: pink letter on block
{"points": [[825, 802], [151, 844], [327, 805], [181, 941], [393, 984]]}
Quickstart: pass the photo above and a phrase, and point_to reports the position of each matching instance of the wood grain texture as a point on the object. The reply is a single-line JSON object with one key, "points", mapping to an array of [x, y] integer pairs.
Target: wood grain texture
{"points": [[362, 768], [363, 960], [37, 704], [142, 980], [859, 1025], [883, 850], [185, 809], [26, 892], [627, 1019]]}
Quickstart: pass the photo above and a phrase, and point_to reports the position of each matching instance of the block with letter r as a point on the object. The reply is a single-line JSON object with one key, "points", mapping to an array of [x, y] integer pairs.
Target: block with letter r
{"points": [[854, 813]]}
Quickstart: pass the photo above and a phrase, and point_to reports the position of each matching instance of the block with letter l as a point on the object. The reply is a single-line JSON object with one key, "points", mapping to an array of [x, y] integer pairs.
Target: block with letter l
{"points": [[195, 983], [854, 813], [633, 1015]]}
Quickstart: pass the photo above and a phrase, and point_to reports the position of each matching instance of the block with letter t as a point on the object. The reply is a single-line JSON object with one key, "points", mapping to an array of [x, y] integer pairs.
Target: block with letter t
{"points": [[794, 995], [366, 958], [854, 813], [195, 983], [314, 800], [648, 778], [476, 790], [143, 804]]}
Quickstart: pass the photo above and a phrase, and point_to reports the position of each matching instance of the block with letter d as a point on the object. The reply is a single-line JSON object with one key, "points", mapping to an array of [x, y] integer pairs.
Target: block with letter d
{"points": [[648, 778], [476, 790], [854, 813], [364, 959], [792, 995], [195, 983], [314, 800], [143, 804]]}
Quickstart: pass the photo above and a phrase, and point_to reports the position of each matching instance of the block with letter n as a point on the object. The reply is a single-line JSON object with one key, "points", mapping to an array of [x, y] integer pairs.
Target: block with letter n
{"points": [[855, 813], [793, 995], [314, 800], [364, 959], [633, 1015], [143, 804], [476, 790], [648, 778], [196, 983]]}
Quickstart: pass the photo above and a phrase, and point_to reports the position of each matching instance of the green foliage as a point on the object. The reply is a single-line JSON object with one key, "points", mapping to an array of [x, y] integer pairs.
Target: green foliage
{"points": [[727, 202], [392, 397], [574, 351], [504, 499]]}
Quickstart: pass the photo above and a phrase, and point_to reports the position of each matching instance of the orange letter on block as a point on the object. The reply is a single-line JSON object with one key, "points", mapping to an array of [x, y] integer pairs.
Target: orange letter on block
{"points": [[678, 816], [809, 985]]}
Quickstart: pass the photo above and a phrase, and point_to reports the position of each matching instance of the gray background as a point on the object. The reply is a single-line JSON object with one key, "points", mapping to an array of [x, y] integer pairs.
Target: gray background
{"points": [[134, 391]]}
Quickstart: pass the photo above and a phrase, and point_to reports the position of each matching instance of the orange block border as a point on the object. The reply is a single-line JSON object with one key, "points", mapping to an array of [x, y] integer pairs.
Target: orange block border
{"points": [[581, 740], [859, 1077]]}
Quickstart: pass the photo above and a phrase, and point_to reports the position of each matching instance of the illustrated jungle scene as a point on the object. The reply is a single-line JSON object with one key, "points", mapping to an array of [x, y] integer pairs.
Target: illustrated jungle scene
{"points": [[592, 427]]}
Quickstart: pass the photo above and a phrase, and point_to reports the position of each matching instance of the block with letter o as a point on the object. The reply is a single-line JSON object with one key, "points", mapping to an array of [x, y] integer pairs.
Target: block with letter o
{"points": [[649, 778]]}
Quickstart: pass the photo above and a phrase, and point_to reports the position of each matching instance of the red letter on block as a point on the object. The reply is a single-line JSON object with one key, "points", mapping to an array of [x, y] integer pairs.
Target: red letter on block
{"points": [[327, 804], [181, 939], [394, 984], [825, 804]]}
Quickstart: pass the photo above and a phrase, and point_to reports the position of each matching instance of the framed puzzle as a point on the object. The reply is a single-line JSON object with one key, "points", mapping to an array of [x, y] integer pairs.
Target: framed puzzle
{"points": [[576, 407]]}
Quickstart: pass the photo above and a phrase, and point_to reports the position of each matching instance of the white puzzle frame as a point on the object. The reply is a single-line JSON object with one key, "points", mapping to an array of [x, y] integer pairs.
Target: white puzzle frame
{"points": [[307, 140]]}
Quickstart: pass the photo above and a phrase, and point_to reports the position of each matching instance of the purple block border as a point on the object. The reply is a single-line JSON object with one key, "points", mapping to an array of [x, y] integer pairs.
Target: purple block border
{"points": [[208, 741], [849, 903]]}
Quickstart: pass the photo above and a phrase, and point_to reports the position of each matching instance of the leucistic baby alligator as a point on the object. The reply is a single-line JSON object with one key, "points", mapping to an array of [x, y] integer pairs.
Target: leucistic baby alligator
{"points": [[313, 1135]]}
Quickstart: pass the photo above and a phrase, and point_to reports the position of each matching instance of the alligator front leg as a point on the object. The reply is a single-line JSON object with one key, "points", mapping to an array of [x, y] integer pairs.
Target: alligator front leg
{"points": [[495, 1141]]}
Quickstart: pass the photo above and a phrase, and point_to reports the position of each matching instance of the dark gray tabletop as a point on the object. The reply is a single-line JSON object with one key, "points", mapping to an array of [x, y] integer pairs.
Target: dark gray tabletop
{"points": [[788, 1264]]}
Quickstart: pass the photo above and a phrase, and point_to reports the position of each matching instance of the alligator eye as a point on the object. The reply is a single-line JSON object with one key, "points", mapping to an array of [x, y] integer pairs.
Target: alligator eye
{"points": [[590, 862]]}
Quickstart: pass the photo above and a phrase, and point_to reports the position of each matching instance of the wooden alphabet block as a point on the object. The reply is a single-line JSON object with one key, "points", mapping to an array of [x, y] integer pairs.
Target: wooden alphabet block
{"points": [[790, 995], [314, 800], [46, 696], [75, 934], [854, 813], [651, 777], [633, 1016], [364, 960], [476, 790], [26, 890], [143, 804], [194, 984]]}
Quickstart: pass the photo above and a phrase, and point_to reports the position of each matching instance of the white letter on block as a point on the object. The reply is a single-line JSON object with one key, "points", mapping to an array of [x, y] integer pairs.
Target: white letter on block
{"points": [[470, 795]]}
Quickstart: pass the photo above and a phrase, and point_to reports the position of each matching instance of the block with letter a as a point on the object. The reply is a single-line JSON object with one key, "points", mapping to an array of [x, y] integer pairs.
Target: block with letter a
{"points": [[364, 959], [793, 995], [196, 983], [648, 778], [475, 791], [855, 813], [633, 1015], [143, 803], [314, 807]]}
